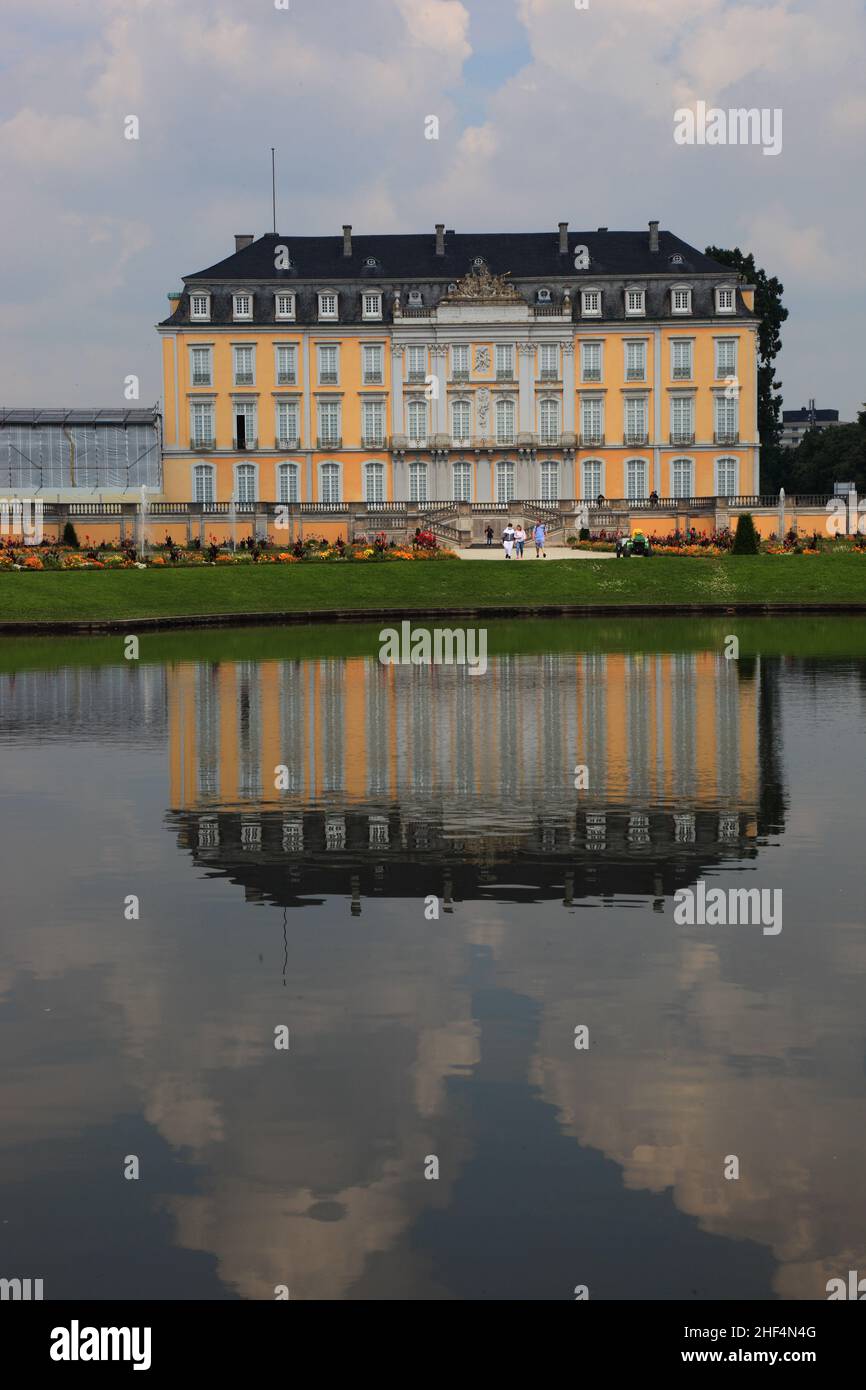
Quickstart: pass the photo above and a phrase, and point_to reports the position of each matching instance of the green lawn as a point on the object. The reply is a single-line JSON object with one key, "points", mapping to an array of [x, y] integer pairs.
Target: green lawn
{"points": [[663, 582]]}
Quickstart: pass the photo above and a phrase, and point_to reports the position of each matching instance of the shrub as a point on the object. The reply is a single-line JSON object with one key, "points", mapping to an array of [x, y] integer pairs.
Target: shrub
{"points": [[746, 538], [70, 536], [583, 534]]}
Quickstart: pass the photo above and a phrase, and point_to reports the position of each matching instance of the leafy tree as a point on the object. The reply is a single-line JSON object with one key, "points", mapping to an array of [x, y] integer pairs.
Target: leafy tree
{"points": [[825, 457], [772, 314], [746, 537]]}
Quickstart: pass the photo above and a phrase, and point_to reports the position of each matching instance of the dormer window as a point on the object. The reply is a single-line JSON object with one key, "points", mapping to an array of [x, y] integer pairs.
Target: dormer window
{"points": [[242, 305], [370, 263], [199, 307], [327, 305], [415, 300], [681, 300], [371, 304], [478, 262], [544, 296], [284, 305], [635, 302], [725, 301], [590, 303], [677, 259]]}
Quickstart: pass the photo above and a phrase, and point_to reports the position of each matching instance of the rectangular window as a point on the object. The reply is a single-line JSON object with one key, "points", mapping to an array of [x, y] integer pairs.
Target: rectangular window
{"points": [[504, 362], [372, 364], [330, 480], [549, 481], [505, 482], [417, 363], [244, 366], [548, 362], [243, 306], [418, 482], [371, 305], [681, 301], [591, 303], [681, 359], [635, 361], [416, 415], [287, 368], [635, 420], [245, 483], [460, 362], [590, 361], [289, 490], [374, 482], [329, 424], [460, 422], [726, 420], [724, 301], [287, 425], [726, 477], [202, 424], [327, 306], [462, 482], [285, 306], [504, 422], [373, 423], [681, 478], [591, 421], [199, 306], [202, 483], [635, 479], [245, 424], [548, 422], [201, 366], [682, 422], [726, 357], [634, 301], [329, 364], [592, 480]]}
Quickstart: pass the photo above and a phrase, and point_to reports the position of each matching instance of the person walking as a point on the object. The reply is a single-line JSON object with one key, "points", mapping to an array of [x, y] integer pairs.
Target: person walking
{"points": [[508, 540], [539, 535], [489, 534], [519, 539]]}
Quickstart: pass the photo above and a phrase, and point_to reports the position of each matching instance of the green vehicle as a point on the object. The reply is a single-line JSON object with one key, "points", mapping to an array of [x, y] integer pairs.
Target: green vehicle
{"points": [[638, 544]]}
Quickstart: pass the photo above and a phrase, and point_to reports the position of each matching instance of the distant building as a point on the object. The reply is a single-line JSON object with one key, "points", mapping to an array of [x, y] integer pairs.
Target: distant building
{"points": [[796, 423]]}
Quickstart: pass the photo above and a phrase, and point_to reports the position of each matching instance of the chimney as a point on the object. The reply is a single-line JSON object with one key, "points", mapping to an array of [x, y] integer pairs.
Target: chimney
{"points": [[563, 238], [242, 241], [654, 237], [440, 238], [347, 238]]}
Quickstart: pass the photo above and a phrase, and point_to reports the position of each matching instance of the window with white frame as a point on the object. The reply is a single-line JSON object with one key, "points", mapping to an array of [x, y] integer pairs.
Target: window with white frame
{"points": [[201, 424], [286, 363], [203, 489], [725, 301], [682, 355], [288, 427], [416, 362], [727, 470], [504, 417], [372, 364], [548, 362], [682, 421], [371, 304], [373, 423], [329, 423], [681, 300], [242, 305], [460, 362], [374, 482], [726, 420], [245, 482], [635, 361], [199, 306], [246, 433], [635, 301], [244, 360], [590, 361], [461, 482], [200, 358], [590, 303], [591, 471], [329, 364], [548, 422], [417, 482], [504, 482], [416, 421], [284, 304], [288, 483], [327, 305], [726, 357], [460, 422], [635, 419], [329, 482], [592, 420], [504, 354], [549, 481], [681, 478], [635, 479]]}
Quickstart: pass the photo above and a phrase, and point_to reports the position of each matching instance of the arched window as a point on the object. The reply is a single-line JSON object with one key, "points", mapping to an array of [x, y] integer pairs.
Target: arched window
{"points": [[462, 482], [504, 482], [374, 482], [635, 479], [548, 422], [417, 482], [288, 488], [416, 414], [203, 489], [504, 421], [460, 422], [727, 477], [681, 478], [245, 482], [549, 481], [329, 482], [593, 479]]}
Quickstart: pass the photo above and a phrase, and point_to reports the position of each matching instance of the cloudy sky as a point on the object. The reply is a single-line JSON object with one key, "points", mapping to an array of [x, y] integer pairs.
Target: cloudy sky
{"points": [[546, 112]]}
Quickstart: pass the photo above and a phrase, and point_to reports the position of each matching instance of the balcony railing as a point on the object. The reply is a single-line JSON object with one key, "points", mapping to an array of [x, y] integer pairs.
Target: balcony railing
{"points": [[416, 311], [201, 379], [591, 374], [591, 439], [726, 437], [203, 442], [244, 379], [416, 376], [328, 379], [247, 445], [635, 374], [287, 379], [330, 441], [377, 380], [373, 441], [681, 374], [635, 438], [288, 441], [549, 374], [460, 374], [682, 437], [461, 441]]}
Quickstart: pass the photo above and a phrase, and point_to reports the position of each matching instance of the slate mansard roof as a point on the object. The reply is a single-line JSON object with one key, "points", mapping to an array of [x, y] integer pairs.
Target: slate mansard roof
{"points": [[406, 261]]}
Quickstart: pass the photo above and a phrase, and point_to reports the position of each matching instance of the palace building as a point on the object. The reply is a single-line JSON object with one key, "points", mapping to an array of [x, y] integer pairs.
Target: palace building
{"points": [[462, 368]]}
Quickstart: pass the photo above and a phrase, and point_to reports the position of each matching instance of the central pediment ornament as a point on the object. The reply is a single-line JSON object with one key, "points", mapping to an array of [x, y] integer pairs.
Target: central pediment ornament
{"points": [[479, 284]]}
